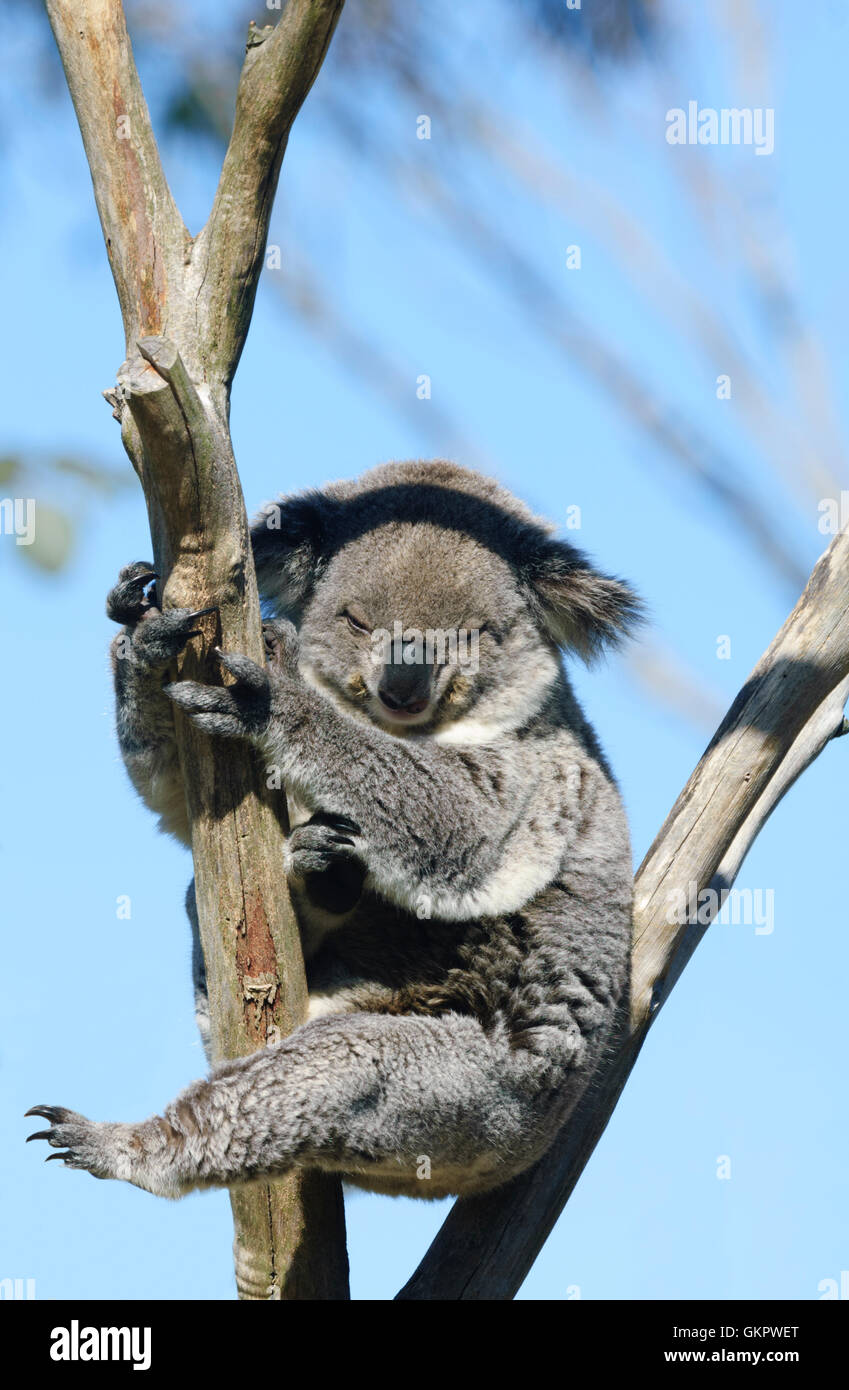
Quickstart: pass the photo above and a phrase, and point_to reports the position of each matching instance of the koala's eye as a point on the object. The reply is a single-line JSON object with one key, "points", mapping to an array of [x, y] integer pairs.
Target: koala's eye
{"points": [[355, 624]]}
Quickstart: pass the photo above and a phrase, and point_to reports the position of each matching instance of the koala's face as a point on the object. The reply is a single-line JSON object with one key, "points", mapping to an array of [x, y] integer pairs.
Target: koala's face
{"points": [[427, 595], [417, 627]]}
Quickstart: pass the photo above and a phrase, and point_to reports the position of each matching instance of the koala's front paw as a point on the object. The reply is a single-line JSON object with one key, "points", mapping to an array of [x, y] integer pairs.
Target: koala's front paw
{"points": [[86, 1144], [322, 844], [242, 710]]}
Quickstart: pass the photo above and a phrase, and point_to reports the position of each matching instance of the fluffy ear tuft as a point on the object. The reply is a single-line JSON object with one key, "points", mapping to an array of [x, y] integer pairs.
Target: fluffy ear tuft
{"points": [[581, 609], [289, 540]]}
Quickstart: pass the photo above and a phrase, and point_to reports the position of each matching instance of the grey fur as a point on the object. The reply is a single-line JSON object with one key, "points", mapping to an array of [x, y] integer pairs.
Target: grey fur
{"points": [[459, 858]]}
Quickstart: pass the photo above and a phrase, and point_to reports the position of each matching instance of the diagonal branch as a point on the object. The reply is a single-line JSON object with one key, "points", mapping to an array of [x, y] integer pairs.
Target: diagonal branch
{"points": [[808, 658], [788, 710]]}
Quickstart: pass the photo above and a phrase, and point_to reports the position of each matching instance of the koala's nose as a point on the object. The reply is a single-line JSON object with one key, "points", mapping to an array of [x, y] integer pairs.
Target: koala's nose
{"points": [[406, 689], [409, 706]]}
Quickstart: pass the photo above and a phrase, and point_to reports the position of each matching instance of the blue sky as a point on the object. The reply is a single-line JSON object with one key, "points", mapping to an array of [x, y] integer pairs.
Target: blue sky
{"points": [[747, 1060]]}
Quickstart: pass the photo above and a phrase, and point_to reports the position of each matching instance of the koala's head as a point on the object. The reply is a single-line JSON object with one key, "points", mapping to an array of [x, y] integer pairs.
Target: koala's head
{"points": [[426, 595]]}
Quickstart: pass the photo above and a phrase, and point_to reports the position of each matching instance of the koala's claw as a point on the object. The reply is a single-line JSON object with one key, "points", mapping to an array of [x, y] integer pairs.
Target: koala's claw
{"points": [[127, 602], [247, 672], [227, 711], [79, 1139], [319, 845], [343, 824], [158, 638], [53, 1113]]}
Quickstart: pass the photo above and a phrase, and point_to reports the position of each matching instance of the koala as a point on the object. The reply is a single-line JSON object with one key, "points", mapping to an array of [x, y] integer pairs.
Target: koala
{"points": [[458, 853]]}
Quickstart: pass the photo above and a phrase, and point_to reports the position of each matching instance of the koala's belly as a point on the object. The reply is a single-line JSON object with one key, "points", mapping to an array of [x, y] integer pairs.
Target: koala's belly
{"points": [[333, 988], [315, 924], [432, 1183]]}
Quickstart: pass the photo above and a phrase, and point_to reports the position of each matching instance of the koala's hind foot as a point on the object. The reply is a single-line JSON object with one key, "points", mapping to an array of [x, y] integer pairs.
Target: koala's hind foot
{"points": [[131, 1152]]}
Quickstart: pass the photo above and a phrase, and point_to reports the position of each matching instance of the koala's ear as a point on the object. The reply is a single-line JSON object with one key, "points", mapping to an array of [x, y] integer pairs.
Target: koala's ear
{"points": [[289, 539], [580, 608]]}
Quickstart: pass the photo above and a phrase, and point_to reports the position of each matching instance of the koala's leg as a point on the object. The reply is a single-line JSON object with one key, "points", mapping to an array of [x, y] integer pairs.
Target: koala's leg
{"points": [[433, 1105], [141, 655]]}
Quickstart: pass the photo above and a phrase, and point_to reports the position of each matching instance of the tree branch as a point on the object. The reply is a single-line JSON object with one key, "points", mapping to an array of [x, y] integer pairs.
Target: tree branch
{"points": [[804, 663], [280, 67], [173, 403], [788, 710], [144, 233]]}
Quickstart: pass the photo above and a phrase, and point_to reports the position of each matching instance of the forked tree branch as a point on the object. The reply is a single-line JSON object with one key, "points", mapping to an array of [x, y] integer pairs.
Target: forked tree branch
{"points": [[788, 710], [186, 308]]}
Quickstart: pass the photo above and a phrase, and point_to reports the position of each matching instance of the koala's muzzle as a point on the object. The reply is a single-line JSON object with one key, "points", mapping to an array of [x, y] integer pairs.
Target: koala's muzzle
{"points": [[406, 689]]}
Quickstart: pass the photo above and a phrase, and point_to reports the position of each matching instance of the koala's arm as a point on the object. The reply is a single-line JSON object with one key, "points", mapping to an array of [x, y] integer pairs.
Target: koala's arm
{"points": [[437, 825], [453, 832], [144, 716], [145, 727]]}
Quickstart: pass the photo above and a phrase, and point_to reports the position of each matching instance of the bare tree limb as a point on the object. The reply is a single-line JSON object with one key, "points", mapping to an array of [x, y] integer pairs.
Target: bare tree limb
{"points": [[186, 311], [788, 710], [281, 66], [808, 658], [144, 233]]}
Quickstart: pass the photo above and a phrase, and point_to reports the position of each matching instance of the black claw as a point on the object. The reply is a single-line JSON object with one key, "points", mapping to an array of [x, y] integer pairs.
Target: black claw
{"points": [[201, 613], [341, 824], [50, 1157], [47, 1112], [42, 1134]]}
